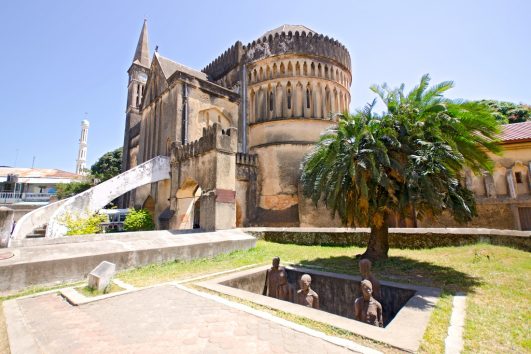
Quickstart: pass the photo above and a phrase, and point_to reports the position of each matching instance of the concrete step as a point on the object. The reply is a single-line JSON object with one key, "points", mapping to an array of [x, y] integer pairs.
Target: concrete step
{"points": [[38, 232], [35, 235]]}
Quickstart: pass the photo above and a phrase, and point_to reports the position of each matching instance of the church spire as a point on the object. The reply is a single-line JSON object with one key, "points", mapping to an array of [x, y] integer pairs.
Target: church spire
{"points": [[142, 49]]}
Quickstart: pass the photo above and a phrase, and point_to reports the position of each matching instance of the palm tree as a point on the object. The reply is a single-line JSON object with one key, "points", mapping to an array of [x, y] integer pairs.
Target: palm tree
{"points": [[408, 160]]}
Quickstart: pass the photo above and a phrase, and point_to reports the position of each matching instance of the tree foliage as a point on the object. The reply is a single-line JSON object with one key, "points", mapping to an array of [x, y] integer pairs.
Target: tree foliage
{"points": [[406, 160], [67, 190], [108, 165], [508, 112], [139, 220]]}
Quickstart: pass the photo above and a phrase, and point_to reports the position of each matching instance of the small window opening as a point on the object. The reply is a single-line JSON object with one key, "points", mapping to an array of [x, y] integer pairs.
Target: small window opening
{"points": [[518, 176], [307, 98], [289, 99], [270, 101]]}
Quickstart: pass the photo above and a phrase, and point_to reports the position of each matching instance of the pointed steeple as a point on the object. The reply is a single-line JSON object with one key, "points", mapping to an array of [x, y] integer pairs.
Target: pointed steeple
{"points": [[142, 48]]}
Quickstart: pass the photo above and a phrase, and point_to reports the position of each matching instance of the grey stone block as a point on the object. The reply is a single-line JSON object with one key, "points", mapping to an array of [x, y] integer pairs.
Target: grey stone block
{"points": [[6, 223], [101, 276]]}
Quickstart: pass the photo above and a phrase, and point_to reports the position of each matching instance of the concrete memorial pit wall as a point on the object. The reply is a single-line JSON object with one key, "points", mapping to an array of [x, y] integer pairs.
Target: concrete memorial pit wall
{"points": [[406, 308], [336, 294]]}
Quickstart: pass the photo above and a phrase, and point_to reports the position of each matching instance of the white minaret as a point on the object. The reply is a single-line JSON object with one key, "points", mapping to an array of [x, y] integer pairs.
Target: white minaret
{"points": [[81, 162]]}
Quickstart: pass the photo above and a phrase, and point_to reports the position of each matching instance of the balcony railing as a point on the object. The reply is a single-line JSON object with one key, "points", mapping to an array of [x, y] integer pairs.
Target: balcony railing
{"points": [[12, 197]]}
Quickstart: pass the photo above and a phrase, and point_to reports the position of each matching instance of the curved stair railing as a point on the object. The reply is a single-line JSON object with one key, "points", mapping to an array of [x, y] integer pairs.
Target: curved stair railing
{"points": [[93, 199], [34, 219]]}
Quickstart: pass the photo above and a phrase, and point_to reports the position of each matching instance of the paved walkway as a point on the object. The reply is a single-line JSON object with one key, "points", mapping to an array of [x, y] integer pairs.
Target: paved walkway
{"points": [[162, 319]]}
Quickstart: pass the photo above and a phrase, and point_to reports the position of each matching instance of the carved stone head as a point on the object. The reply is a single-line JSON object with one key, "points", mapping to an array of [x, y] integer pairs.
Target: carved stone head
{"points": [[276, 262], [365, 267], [305, 282], [366, 289]]}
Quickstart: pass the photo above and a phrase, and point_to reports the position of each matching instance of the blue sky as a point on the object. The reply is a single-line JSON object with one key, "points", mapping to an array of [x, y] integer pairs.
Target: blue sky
{"points": [[63, 58]]}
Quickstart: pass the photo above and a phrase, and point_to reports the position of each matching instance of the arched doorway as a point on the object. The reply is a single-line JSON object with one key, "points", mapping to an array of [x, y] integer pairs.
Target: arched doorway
{"points": [[189, 205], [197, 214]]}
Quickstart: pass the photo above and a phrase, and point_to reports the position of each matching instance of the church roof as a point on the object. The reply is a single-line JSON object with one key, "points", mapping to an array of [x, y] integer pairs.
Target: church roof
{"points": [[288, 28], [142, 48], [169, 67]]}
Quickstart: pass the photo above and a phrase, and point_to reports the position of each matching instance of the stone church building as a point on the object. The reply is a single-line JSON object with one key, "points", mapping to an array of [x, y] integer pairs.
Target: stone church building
{"points": [[237, 131]]}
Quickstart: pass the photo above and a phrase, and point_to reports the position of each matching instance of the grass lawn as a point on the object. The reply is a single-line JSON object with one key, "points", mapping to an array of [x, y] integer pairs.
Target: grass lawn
{"points": [[496, 280]]}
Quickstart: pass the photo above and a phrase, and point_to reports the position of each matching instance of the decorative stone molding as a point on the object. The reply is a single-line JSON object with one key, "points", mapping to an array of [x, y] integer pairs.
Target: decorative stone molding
{"points": [[246, 159], [214, 138]]}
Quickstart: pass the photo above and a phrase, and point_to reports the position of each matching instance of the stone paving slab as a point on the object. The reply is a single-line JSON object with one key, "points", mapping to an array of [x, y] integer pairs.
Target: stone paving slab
{"points": [[161, 319], [54, 263]]}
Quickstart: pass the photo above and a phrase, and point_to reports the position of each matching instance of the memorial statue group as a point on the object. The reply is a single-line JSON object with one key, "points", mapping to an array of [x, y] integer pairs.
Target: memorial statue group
{"points": [[366, 308]]}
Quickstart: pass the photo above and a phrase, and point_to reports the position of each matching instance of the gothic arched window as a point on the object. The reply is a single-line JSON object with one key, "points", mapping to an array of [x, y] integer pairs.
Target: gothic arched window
{"points": [[289, 98]]}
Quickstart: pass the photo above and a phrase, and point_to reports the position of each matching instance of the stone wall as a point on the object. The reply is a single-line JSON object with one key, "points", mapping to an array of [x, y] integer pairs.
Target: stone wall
{"points": [[491, 214], [413, 238], [278, 179], [203, 179], [311, 215], [227, 61], [6, 225]]}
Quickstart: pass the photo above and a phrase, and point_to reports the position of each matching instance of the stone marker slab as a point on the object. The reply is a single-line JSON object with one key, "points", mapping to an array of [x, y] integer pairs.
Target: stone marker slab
{"points": [[101, 276]]}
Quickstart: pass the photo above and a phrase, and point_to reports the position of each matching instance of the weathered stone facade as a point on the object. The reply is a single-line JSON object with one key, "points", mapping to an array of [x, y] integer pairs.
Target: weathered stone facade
{"points": [[271, 98], [503, 197], [237, 132]]}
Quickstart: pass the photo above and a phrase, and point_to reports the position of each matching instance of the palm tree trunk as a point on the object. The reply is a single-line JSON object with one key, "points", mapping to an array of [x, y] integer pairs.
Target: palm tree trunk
{"points": [[378, 243]]}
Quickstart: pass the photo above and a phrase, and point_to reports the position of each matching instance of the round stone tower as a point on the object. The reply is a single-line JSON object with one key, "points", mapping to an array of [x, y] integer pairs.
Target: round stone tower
{"points": [[297, 81]]}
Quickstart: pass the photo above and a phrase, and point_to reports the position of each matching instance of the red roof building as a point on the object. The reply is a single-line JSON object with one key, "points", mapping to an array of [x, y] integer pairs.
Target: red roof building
{"points": [[516, 133]]}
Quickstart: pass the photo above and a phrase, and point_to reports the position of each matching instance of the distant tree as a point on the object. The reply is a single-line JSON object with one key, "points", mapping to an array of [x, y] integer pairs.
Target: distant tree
{"points": [[67, 190], [108, 166], [407, 159], [508, 112]]}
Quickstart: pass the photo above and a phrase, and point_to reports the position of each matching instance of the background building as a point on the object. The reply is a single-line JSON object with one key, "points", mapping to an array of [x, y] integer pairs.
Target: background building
{"points": [[25, 189], [503, 197]]}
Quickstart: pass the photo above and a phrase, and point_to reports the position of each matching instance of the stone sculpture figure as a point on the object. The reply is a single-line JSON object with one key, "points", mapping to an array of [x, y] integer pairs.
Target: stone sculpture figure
{"points": [[306, 296], [285, 291], [366, 308], [272, 280], [365, 270]]}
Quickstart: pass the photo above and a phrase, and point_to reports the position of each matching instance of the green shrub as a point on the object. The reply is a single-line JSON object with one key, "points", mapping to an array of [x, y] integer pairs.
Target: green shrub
{"points": [[83, 226], [139, 220]]}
